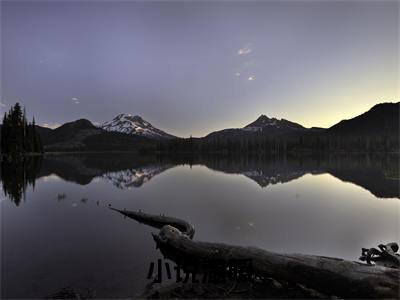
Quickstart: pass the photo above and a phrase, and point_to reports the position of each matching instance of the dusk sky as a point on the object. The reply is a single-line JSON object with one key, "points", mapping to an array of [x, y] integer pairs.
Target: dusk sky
{"points": [[195, 67]]}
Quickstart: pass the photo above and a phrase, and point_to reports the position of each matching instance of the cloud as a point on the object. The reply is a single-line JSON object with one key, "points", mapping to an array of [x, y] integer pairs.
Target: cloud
{"points": [[2, 104], [42, 61], [237, 73], [51, 125], [251, 78], [244, 50], [76, 100]]}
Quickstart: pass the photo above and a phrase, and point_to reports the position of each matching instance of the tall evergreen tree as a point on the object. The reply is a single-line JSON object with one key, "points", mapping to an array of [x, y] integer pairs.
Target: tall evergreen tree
{"points": [[17, 136]]}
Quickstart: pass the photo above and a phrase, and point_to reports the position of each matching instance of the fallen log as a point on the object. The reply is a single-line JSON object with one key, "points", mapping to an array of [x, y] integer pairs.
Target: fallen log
{"points": [[328, 275], [332, 276], [158, 221]]}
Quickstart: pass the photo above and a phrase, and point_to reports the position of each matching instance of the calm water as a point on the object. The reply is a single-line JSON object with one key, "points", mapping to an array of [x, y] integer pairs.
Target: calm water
{"points": [[329, 206]]}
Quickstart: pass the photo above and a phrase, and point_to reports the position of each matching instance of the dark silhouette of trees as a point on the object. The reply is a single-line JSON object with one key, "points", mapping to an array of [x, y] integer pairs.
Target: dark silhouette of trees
{"points": [[18, 137], [264, 143], [17, 175]]}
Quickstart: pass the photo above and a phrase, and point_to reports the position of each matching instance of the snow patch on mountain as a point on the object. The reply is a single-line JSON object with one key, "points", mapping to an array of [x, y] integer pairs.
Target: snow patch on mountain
{"points": [[129, 124]]}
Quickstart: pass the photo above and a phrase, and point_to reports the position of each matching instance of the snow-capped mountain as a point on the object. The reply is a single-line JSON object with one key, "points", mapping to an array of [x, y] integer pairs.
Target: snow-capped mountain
{"points": [[264, 122], [126, 123]]}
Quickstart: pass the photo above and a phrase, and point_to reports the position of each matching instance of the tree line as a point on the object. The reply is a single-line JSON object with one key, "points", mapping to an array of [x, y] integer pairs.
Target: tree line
{"points": [[264, 143], [18, 136]]}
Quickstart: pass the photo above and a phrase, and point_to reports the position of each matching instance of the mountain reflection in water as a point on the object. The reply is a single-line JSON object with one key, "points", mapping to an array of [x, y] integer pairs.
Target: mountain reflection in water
{"points": [[377, 173], [126, 179], [57, 230]]}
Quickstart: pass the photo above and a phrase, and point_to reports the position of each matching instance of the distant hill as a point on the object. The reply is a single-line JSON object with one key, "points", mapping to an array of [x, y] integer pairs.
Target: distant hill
{"points": [[374, 131], [82, 135], [264, 125], [382, 119], [263, 122]]}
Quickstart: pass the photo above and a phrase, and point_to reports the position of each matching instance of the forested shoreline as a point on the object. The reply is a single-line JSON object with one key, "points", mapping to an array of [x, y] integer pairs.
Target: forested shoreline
{"points": [[263, 143]]}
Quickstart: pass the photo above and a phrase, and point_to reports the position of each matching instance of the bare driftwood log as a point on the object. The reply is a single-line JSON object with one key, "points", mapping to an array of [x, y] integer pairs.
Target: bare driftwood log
{"points": [[328, 275], [159, 221]]}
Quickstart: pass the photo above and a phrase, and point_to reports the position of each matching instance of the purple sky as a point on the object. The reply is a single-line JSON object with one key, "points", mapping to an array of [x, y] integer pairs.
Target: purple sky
{"points": [[194, 67]]}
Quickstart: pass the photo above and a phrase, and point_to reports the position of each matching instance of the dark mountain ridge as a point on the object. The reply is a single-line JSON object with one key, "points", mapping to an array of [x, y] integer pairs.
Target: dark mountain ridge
{"points": [[263, 122], [82, 135], [380, 119], [374, 130]]}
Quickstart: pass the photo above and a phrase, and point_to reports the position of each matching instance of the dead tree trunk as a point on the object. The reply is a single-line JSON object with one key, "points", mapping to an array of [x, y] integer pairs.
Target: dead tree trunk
{"points": [[328, 275]]}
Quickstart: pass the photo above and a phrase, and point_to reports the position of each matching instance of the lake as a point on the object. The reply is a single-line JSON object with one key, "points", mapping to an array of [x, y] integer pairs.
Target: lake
{"points": [[57, 229]]}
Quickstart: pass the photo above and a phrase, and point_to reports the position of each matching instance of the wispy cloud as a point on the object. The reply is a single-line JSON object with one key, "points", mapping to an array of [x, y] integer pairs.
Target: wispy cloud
{"points": [[76, 100], [244, 50], [51, 57], [251, 78], [42, 61], [2, 104], [237, 74]]}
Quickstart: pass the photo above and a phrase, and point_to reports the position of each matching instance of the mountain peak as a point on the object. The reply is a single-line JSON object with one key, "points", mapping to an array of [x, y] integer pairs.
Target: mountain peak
{"points": [[79, 124], [273, 123], [263, 118], [129, 117], [136, 125], [382, 117]]}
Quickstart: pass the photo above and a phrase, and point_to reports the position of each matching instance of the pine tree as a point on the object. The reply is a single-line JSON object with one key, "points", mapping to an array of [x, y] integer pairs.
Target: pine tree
{"points": [[17, 136]]}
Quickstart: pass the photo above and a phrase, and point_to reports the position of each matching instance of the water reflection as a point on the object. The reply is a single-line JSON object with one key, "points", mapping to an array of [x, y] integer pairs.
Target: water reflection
{"points": [[248, 201], [126, 179], [16, 176], [377, 173], [83, 168]]}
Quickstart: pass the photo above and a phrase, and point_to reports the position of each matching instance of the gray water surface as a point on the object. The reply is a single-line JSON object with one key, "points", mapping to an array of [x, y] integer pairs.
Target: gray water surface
{"points": [[329, 206]]}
